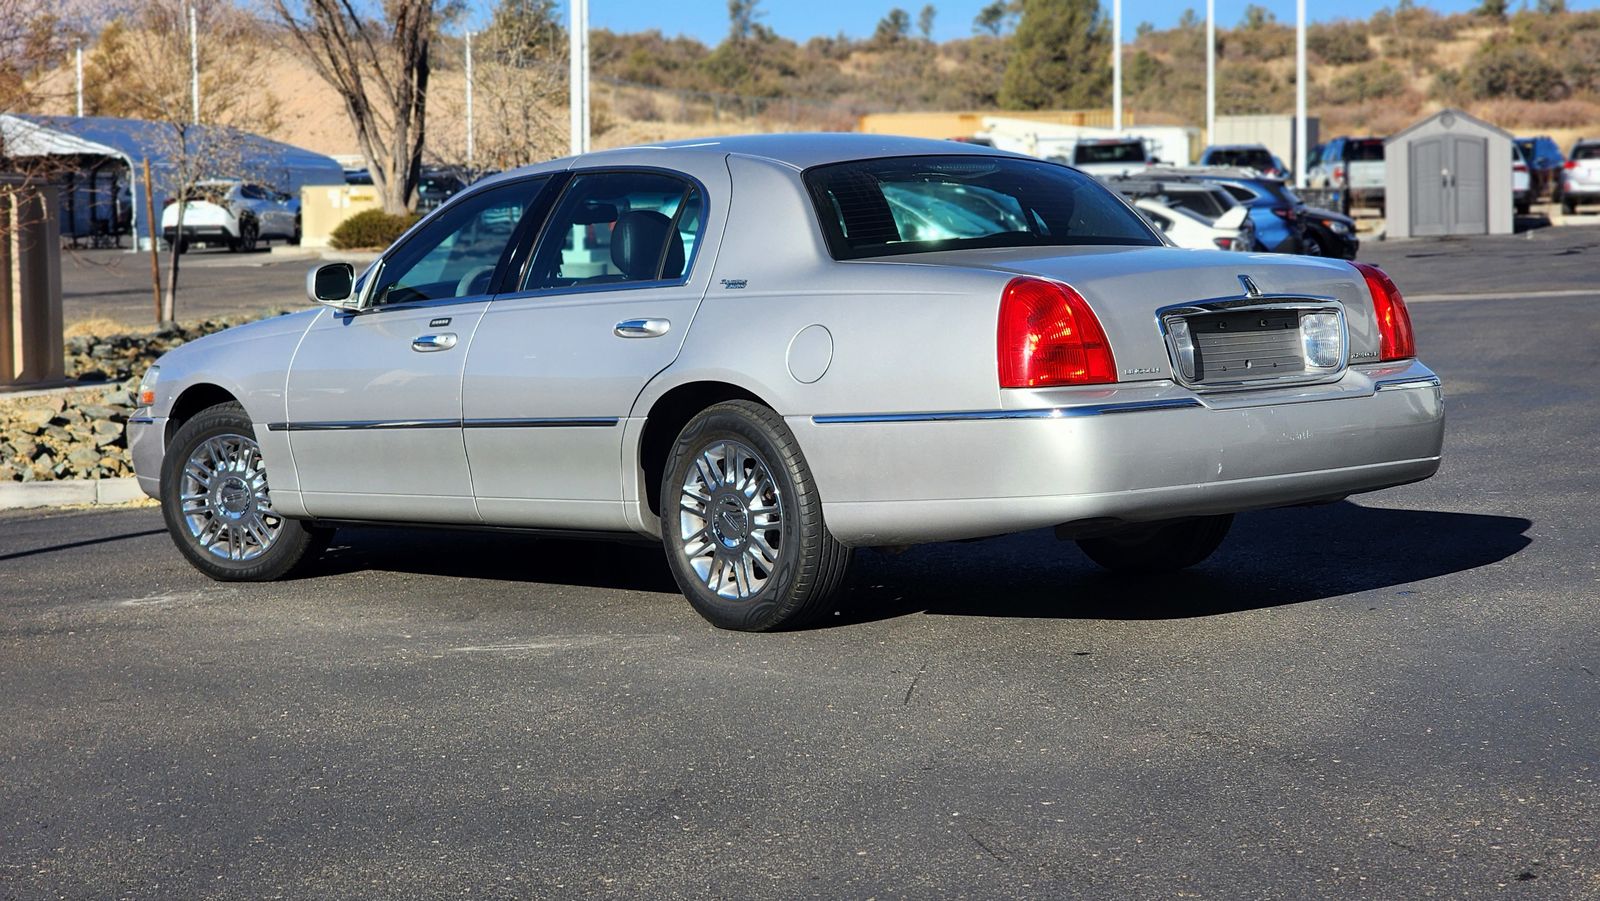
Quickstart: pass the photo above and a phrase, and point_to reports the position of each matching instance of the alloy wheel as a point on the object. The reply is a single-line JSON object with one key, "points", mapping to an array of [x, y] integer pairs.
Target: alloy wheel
{"points": [[224, 500], [731, 519]]}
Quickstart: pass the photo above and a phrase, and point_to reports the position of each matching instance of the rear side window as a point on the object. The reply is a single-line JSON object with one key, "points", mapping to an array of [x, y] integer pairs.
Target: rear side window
{"points": [[902, 205], [1207, 205], [1124, 152], [1366, 151], [619, 227]]}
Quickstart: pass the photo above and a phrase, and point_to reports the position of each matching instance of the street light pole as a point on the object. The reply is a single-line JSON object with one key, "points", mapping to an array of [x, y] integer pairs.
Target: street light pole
{"points": [[578, 76], [469, 101], [80, 81], [1116, 65], [1300, 94], [1211, 71], [194, 65]]}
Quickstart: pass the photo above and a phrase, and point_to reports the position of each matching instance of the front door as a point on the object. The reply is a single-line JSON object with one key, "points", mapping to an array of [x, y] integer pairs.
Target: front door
{"points": [[374, 397], [559, 360]]}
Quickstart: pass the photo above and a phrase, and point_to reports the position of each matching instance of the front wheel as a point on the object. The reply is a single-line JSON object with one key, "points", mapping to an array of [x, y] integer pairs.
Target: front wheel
{"points": [[742, 522], [1311, 247], [215, 501], [1160, 547]]}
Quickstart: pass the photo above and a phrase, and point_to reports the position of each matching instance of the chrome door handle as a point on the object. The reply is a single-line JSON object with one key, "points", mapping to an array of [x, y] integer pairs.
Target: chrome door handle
{"points": [[430, 343], [642, 328]]}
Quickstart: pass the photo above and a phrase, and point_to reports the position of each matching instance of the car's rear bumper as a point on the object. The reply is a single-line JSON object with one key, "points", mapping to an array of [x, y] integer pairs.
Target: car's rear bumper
{"points": [[1130, 454]]}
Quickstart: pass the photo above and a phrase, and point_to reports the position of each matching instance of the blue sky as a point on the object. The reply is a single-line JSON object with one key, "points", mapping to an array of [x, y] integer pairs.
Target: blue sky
{"points": [[801, 19]]}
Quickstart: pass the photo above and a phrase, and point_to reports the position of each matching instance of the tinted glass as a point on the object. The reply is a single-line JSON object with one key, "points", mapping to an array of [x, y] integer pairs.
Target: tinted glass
{"points": [[1128, 152], [1260, 160], [1586, 152], [619, 227], [1365, 151], [905, 205], [1207, 205], [456, 254]]}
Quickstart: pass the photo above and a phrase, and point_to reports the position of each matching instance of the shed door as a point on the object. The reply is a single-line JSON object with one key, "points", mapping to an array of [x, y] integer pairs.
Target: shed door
{"points": [[1429, 184], [1470, 182]]}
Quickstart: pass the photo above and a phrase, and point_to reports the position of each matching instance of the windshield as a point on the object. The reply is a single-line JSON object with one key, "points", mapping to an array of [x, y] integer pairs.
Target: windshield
{"points": [[906, 205], [1123, 152], [1257, 159]]}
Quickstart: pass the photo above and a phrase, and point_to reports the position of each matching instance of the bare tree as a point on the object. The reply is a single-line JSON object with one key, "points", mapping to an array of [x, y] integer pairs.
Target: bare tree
{"points": [[519, 90], [141, 64], [376, 57]]}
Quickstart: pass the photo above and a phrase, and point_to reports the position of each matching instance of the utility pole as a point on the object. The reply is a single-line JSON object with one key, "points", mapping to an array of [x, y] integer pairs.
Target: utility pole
{"points": [[1211, 71], [1116, 65], [194, 65], [150, 218], [469, 101], [80, 81], [1300, 94], [578, 76]]}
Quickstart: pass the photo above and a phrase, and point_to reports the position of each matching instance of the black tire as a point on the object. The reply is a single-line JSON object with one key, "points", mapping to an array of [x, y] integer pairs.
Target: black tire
{"points": [[246, 242], [1569, 206], [1311, 246], [1161, 547], [294, 240], [810, 565], [1524, 208], [295, 541]]}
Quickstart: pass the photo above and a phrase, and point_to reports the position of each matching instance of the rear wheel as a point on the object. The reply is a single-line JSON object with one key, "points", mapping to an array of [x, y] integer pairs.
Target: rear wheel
{"points": [[1311, 247], [742, 522], [215, 501], [246, 242], [1159, 547], [1569, 206]]}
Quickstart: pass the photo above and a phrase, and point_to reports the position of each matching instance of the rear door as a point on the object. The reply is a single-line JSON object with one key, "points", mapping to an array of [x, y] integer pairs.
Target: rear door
{"points": [[603, 306]]}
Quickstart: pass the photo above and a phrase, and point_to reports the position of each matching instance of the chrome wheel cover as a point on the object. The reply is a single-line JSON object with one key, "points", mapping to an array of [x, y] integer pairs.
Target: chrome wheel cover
{"points": [[223, 499], [730, 517]]}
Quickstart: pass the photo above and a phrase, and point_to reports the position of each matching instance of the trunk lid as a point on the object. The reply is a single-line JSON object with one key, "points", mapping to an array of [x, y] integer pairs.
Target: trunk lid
{"points": [[1127, 286]]}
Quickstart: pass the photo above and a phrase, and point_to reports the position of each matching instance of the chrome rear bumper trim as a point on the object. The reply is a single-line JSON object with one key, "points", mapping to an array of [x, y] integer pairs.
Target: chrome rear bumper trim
{"points": [[1431, 381], [1138, 406]]}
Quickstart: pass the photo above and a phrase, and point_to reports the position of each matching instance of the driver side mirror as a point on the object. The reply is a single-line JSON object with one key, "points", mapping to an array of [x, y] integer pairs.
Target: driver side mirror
{"points": [[332, 284]]}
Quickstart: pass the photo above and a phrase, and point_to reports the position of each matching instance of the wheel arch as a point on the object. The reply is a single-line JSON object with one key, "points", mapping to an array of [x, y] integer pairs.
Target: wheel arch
{"points": [[665, 418], [192, 400]]}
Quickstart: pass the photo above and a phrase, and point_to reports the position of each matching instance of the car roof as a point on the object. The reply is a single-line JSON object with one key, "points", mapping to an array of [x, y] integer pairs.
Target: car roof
{"points": [[802, 150], [1237, 147]]}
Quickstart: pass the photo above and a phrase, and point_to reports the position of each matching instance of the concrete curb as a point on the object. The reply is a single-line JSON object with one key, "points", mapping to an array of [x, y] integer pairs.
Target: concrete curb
{"points": [[66, 492]]}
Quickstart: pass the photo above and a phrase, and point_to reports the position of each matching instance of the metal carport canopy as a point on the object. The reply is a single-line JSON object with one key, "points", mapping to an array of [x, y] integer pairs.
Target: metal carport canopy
{"points": [[283, 166]]}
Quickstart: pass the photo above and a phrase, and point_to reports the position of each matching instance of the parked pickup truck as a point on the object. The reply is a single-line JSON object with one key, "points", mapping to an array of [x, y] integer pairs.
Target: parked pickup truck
{"points": [[1353, 167]]}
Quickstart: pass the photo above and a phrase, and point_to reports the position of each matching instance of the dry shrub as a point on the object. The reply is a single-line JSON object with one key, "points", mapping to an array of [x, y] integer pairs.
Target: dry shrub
{"points": [[1520, 114], [641, 108]]}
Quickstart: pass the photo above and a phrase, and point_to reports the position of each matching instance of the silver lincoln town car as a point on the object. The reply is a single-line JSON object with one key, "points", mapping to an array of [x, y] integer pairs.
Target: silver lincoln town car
{"points": [[767, 351]]}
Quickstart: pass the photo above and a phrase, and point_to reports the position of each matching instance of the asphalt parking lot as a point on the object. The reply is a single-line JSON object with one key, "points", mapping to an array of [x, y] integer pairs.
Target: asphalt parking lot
{"points": [[1395, 696]]}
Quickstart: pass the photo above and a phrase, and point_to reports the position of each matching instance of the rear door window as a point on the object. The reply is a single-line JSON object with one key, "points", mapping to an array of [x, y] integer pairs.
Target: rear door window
{"points": [[617, 227], [1366, 151], [1586, 152]]}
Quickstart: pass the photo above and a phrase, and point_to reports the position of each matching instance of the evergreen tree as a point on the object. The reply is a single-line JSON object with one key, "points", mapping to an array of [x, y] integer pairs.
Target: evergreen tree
{"points": [[1060, 57]]}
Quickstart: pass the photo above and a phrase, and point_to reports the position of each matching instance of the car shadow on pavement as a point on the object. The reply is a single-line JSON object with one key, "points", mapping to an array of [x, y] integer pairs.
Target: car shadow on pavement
{"points": [[1272, 558], [502, 556]]}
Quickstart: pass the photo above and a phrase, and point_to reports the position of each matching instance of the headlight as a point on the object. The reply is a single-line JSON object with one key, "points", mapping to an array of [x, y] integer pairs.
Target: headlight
{"points": [[147, 386], [1337, 227]]}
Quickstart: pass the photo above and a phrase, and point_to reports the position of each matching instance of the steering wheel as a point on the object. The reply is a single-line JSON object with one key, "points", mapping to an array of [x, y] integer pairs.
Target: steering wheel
{"points": [[464, 287]]}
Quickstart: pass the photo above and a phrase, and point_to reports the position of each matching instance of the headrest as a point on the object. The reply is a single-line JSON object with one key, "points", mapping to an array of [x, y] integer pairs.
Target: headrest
{"points": [[636, 245]]}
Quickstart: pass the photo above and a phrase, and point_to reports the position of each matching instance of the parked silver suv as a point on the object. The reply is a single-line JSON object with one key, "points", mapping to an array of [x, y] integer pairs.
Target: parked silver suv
{"points": [[1580, 180]]}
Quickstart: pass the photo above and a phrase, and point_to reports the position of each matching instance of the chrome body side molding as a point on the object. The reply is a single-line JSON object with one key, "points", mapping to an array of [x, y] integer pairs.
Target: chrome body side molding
{"points": [[585, 422]]}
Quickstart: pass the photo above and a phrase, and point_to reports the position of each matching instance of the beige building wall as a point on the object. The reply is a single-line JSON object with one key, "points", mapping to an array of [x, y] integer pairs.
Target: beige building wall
{"points": [[323, 207]]}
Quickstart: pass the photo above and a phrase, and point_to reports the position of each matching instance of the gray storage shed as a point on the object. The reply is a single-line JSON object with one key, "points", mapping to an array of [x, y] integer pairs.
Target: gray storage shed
{"points": [[1449, 174]]}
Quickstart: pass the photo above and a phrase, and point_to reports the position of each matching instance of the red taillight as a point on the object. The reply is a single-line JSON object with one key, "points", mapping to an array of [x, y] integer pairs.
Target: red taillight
{"points": [[1283, 212], [1570, 164], [1395, 338], [1518, 167], [1224, 243], [1049, 336], [168, 202], [1338, 173]]}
